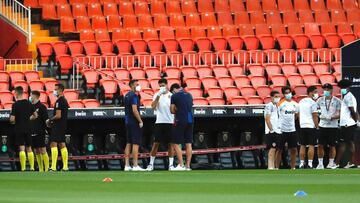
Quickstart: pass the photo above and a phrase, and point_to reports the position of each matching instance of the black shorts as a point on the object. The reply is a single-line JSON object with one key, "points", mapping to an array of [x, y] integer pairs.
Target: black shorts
{"points": [[290, 138], [133, 134], [347, 134], [162, 132], [272, 140], [23, 139], [57, 135], [182, 133], [309, 136], [328, 136], [38, 140]]}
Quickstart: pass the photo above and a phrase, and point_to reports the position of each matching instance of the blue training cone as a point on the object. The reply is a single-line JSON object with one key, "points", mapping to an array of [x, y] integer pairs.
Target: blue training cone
{"points": [[300, 193]]}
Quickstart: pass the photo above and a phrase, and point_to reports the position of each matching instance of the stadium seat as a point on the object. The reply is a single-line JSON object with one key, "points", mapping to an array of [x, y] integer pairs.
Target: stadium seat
{"points": [[31, 3], [91, 48], [279, 32], [331, 37], [176, 20], [236, 70], [8, 105], [301, 40], [87, 35], [295, 80], [350, 4], [310, 79], [255, 100], [50, 84], [110, 9], [91, 76], [225, 81], [208, 82], [257, 18], [5, 97], [263, 91], [91, 103], [239, 100], [278, 79], [160, 20], [79, 10], [305, 69], [76, 48], [251, 42], [290, 17], [44, 50], [208, 19], [31, 75], [257, 81], [346, 33], [76, 104], [333, 4], [98, 22], [222, 6], [173, 7], [266, 39], [145, 21], [216, 101], [4, 85], [141, 8], [188, 72], [247, 91], [300, 89], [49, 12], [102, 35], [16, 76], [23, 84], [269, 5], [82, 23], [327, 78], [36, 85], [225, 19], [338, 16], [241, 81], [317, 5], [301, 5], [241, 18], [113, 22], [188, 6], [231, 92], [94, 9], [200, 101], [215, 92], [272, 69], [130, 21], [137, 73], [195, 92], [219, 70], [321, 69], [65, 64], [125, 8], [110, 87], [273, 18], [63, 10], [313, 32], [157, 7], [204, 6]]}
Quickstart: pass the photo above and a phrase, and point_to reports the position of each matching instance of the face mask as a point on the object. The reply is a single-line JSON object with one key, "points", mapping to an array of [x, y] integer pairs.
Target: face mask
{"points": [[30, 99], [343, 91], [288, 96], [316, 96], [327, 93], [162, 90], [138, 88], [276, 100], [55, 93]]}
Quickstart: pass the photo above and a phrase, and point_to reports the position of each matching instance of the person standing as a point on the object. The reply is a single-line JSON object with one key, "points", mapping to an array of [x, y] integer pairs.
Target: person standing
{"points": [[329, 123], [58, 124], [272, 128], [21, 113], [348, 122], [181, 106], [134, 126], [289, 110], [38, 132], [163, 123], [309, 124]]}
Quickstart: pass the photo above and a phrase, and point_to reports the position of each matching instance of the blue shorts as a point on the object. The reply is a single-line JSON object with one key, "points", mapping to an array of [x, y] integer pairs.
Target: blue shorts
{"points": [[182, 133], [133, 134]]}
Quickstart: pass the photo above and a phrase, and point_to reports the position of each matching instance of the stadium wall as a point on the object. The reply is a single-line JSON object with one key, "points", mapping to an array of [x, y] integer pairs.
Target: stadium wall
{"points": [[9, 37]]}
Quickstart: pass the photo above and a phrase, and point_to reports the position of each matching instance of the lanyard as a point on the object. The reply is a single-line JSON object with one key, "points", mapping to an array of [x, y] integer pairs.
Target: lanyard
{"points": [[326, 105]]}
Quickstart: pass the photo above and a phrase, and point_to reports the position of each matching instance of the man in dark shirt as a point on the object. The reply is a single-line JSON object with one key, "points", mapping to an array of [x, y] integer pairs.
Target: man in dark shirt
{"points": [[58, 124], [134, 126], [181, 106], [38, 132], [21, 113]]}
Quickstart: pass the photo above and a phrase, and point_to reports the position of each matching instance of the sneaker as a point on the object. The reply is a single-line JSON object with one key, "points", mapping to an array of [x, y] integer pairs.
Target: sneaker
{"points": [[138, 168], [310, 167], [65, 170], [332, 166], [179, 168], [188, 169], [349, 165], [302, 166], [320, 167], [271, 169], [150, 168], [127, 168], [171, 168]]}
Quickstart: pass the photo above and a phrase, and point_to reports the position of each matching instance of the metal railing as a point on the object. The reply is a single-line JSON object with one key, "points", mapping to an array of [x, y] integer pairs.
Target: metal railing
{"points": [[18, 15], [14, 64]]}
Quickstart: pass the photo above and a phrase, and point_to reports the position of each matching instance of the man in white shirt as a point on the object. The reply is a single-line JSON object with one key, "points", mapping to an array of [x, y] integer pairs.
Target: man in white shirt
{"points": [[289, 110], [163, 123], [329, 123], [309, 124], [272, 129], [348, 122]]}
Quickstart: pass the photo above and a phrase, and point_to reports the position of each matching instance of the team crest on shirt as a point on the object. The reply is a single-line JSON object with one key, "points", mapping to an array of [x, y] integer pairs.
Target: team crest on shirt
{"points": [[57, 105], [274, 144]]}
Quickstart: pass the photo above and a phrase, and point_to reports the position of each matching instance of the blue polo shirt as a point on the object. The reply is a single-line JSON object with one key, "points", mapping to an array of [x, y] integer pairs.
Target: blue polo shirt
{"points": [[183, 102], [131, 99]]}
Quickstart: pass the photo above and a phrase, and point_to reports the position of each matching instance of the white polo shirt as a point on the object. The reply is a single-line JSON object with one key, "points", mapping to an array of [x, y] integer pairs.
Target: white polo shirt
{"points": [[272, 110], [162, 111], [329, 108], [345, 115], [307, 107], [287, 110]]}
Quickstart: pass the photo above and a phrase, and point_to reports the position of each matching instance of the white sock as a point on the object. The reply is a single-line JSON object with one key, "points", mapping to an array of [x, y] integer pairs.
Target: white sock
{"points": [[331, 161], [310, 163], [302, 162], [321, 161], [152, 159], [171, 161]]}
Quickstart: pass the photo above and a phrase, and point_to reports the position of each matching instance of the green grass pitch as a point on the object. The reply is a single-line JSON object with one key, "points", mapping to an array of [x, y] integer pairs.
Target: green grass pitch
{"points": [[194, 186]]}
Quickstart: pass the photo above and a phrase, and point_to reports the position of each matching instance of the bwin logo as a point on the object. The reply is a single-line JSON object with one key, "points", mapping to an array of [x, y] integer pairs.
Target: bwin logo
{"points": [[289, 112]]}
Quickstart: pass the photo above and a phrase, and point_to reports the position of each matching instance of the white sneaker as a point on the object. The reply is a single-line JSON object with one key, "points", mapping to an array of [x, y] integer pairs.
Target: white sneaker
{"points": [[349, 165], [171, 168], [127, 168], [179, 168], [332, 166], [188, 169], [301, 166], [138, 168], [320, 167], [270, 169], [150, 168]]}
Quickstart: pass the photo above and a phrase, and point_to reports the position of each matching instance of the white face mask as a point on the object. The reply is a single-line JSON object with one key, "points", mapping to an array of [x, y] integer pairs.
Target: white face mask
{"points": [[316, 96], [138, 88], [276, 100], [162, 90]]}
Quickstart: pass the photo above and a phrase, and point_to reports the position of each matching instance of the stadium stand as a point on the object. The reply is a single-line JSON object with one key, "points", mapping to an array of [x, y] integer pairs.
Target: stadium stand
{"points": [[232, 49]]}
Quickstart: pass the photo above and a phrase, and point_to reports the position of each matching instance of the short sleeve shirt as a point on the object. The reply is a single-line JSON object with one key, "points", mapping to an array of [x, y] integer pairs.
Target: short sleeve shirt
{"points": [[61, 104], [329, 108], [307, 107], [272, 110], [162, 111], [345, 115], [183, 102], [287, 110], [22, 110], [131, 99]]}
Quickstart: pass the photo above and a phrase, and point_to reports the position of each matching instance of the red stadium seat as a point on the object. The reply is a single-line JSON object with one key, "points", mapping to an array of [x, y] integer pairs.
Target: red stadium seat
{"points": [[238, 100], [44, 50], [204, 71], [222, 6], [257, 18], [173, 7], [76, 48], [113, 22], [110, 87], [295, 80], [130, 21], [327, 78], [253, 5], [225, 19], [247, 91], [76, 104], [49, 12], [216, 92], [278, 80], [94, 9], [310, 79], [16, 76], [209, 82], [157, 7], [31, 75], [235, 6], [91, 103], [236, 70], [251, 42], [110, 9], [137, 73], [269, 5], [66, 63], [301, 40], [300, 89], [188, 6], [256, 70], [273, 18], [200, 101], [231, 92], [126, 8], [255, 100], [193, 82], [279, 32], [195, 92], [5, 97], [263, 91], [31, 3], [305, 68], [21, 83], [141, 8], [82, 23], [79, 10], [98, 22], [36, 85], [220, 70], [285, 5], [225, 81], [4, 85], [145, 21], [257, 81], [102, 34], [91, 76], [189, 72], [173, 72], [50, 85], [64, 10], [241, 81], [272, 70]]}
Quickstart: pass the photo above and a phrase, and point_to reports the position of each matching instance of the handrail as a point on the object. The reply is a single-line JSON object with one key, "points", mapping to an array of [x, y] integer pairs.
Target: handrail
{"points": [[18, 15], [11, 49]]}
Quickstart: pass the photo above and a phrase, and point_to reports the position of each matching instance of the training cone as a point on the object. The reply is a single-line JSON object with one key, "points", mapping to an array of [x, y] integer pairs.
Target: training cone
{"points": [[300, 193], [107, 180]]}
